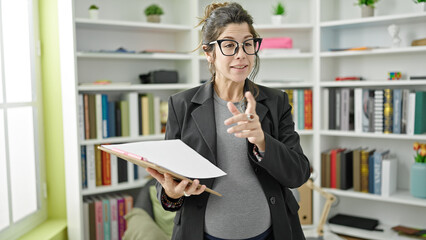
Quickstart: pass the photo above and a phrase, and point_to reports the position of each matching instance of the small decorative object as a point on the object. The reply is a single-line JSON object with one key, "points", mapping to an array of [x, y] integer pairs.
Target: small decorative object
{"points": [[153, 13], [394, 75], [420, 5], [418, 172], [393, 31], [367, 7], [278, 13], [93, 12], [419, 42]]}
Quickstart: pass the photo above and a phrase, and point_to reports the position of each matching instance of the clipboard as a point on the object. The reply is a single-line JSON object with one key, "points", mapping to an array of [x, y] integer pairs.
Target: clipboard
{"points": [[143, 162]]}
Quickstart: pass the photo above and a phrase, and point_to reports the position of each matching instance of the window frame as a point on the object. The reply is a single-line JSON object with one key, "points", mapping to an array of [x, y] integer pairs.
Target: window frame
{"points": [[27, 223]]}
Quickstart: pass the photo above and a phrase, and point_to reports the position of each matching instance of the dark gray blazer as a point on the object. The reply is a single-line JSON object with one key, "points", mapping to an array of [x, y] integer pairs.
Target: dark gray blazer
{"points": [[191, 119]]}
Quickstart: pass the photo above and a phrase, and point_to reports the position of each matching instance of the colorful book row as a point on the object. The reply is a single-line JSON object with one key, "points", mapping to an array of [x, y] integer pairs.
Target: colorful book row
{"points": [[301, 103], [364, 170], [103, 216], [99, 168], [399, 111], [131, 114]]}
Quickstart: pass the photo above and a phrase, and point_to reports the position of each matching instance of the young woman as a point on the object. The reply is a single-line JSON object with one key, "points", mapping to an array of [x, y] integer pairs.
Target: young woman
{"points": [[247, 131]]}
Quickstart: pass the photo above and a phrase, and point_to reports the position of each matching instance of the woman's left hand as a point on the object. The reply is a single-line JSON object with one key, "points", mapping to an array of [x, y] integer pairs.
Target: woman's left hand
{"points": [[248, 124]]}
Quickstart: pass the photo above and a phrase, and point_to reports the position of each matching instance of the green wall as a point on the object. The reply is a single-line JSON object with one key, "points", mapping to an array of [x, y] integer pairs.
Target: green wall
{"points": [[52, 109]]}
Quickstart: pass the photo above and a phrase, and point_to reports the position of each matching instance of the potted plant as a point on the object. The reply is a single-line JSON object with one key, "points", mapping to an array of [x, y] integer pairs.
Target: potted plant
{"points": [[93, 12], [153, 13], [418, 171], [277, 14], [367, 7], [420, 5]]}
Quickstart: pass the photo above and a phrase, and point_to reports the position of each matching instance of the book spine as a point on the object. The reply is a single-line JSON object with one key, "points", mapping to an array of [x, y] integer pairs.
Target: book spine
{"points": [[164, 112], [125, 124], [378, 111], [81, 117], [404, 110], [92, 220], [145, 115], [333, 168], [83, 166], [389, 173], [420, 113], [118, 129], [128, 200], [332, 109], [99, 220], [326, 113], [388, 111], [86, 117], [338, 109], [114, 218], [86, 226], [122, 170], [300, 107], [99, 116], [308, 108], [295, 108], [370, 109], [106, 218], [114, 169], [411, 113], [157, 117], [357, 170], [121, 221], [397, 110], [111, 119], [151, 114], [344, 109], [98, 165], [371, 173], [106, 168], [105, 133], [364, 171], [377, 173], [132, 98], [91, 167], [358, 103]]}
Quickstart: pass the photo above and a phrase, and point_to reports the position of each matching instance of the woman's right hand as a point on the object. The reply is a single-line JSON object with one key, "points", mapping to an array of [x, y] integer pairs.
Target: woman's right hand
{"points": [[174, 189]]}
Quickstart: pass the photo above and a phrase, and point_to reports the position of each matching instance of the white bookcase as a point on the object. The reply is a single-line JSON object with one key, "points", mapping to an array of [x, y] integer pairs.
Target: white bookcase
{"points": [[314, 25]]}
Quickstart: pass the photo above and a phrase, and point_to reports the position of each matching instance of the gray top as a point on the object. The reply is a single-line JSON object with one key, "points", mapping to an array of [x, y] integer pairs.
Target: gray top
{"points": [[242, 211]]}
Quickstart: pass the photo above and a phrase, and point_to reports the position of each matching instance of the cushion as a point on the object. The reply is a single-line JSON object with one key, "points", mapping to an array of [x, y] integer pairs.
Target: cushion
{"points": [[141, 226], [163, 218], [143, 200]]}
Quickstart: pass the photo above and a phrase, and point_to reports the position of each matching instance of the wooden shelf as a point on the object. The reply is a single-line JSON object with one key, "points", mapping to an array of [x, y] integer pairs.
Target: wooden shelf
{"points": [[286, 85], [387, 233]]}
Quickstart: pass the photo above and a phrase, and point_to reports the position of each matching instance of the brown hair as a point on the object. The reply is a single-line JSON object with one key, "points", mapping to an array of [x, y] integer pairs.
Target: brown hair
{"points": [[216, 17]]}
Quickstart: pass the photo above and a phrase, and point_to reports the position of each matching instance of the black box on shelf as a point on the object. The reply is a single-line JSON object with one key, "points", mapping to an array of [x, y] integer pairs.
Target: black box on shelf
{"points": [[160, 76]]}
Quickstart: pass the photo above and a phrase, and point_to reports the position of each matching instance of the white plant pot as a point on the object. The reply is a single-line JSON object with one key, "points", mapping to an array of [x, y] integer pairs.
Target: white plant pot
{"points": [[277, 19], [93, 14], [367, 11], [153, 18], [420, 7]]}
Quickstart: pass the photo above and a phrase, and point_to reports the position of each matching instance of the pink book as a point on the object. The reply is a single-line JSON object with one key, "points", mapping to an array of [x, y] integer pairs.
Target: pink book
{"points": [[129, 204], [279, 42], [121, 206], [99, 219], [114, 217]]}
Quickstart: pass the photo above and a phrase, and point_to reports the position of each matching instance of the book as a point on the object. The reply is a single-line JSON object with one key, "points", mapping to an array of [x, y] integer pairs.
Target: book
{"points": [[180, 161], [389, 176], [357, 169], [420, 113], [91, 166], [344, 109], [121, 212], [397, 110], [98, 165], [125, 121], [106, 213], [325, 113], [378, 111], [378, 158], [365, 154], [338, 109], [332, 109], [83, 167], [308, 108], [411, 106], [346, 169], [113, 217], [358, 113], [388, 111], [300, 109], [404, 110], [122, 170], [132, 98]]}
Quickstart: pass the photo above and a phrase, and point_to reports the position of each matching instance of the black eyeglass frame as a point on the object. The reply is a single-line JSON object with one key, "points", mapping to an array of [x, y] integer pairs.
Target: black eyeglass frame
{"points": [[219, 42]]}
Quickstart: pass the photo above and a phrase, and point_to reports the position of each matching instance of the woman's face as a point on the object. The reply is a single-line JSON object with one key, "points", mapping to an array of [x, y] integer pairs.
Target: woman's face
{"points": [[233, 68]]}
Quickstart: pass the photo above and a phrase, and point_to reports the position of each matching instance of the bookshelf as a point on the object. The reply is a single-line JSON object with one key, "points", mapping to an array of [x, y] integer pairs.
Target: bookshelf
{"points": [[341, 26], [314, 25]]}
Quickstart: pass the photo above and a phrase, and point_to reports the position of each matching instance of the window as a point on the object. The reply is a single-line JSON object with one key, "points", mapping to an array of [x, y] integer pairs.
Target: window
{"points": [[21, 202]]}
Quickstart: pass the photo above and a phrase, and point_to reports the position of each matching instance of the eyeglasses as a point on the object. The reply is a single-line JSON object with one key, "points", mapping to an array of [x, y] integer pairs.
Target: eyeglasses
{"points": [[230, 47]]}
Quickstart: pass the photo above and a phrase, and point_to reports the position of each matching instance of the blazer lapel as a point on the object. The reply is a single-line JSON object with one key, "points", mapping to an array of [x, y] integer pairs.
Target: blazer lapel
{"points": [[204, 117]]}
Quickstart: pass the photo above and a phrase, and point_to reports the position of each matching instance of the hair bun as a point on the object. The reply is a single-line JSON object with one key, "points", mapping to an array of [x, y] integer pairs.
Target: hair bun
{"points": [[208, 11]]}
